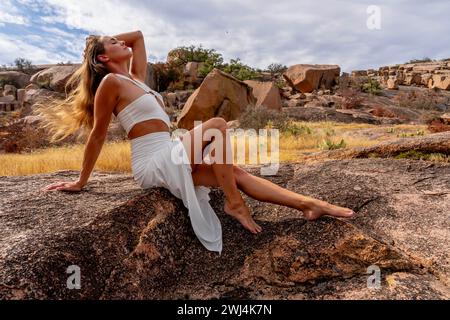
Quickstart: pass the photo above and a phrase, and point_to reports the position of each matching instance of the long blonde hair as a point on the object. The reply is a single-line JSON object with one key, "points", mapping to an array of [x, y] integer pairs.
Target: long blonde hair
{"points": [[76, 112]]}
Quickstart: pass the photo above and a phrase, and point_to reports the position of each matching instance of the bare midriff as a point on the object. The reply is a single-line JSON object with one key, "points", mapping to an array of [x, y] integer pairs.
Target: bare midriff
{"points": [[146, 127]]}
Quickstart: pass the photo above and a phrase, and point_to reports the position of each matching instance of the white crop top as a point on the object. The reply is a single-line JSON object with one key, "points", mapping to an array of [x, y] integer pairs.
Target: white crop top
{"points": [[145, 107]]}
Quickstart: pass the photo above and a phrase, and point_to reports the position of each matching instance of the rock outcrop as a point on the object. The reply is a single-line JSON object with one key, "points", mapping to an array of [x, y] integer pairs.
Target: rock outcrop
{"points": [[309, 77], [54, 78], [16, 78], [432, 74], [219, 95], [431, 143], [135, 244], [266, 93], [318, 113]]}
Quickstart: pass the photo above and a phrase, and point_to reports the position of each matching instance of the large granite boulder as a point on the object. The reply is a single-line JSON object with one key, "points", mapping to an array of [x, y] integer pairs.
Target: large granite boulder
{"points": [[309, 77], [17, 78], [54, 78], [266, 93], [219, 95]]}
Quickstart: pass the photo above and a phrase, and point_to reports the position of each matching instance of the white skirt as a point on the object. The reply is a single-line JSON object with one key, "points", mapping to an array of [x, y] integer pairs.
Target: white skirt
{"points": [[157, 160]]}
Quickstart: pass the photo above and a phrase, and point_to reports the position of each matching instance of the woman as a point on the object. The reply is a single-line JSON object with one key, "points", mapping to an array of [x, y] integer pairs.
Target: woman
{"points": [[103, 86]]}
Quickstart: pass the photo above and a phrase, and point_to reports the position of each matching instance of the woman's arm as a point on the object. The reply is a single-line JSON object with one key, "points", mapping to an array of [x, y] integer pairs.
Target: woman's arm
{"points": [[129, 37], [92, 150], [135, 40], [104, 103]]}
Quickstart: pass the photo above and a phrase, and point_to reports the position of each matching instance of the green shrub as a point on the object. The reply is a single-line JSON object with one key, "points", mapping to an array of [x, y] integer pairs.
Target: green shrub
{"points": [[239, 70], [372, 86], [4, 81], [327, 144], [296, 130], [413, 134], [418, 155], [391, 130], [212, 59], [192, 54]]}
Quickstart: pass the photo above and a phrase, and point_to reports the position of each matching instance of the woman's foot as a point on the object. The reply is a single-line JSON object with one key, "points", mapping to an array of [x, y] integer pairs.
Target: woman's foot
{"points": [[241, 213], [317, 208]]}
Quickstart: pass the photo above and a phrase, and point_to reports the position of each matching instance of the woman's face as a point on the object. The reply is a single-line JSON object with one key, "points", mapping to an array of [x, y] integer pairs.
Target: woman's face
{"points": [[115, 50]]}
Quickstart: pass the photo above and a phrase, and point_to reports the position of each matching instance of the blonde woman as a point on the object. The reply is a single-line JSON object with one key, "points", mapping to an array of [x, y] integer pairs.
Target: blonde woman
{"points": [[104, 86]]}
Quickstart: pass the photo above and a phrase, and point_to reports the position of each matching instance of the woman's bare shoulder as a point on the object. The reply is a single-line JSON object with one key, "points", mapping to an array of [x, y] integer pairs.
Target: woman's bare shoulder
{"points": [[112, 80], [110, 85]]}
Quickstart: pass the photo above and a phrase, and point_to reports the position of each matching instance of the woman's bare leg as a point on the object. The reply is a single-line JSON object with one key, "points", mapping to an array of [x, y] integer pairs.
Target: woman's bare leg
{"points": [[266, 191], [223, 171]]}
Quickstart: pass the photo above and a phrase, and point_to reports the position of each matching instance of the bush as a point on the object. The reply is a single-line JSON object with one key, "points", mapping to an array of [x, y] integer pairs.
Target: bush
{"points": [[413, 134], [422, 100], [372, 86], [276, 68], [4, 81], [258, 118], [438, 126], [351, 99], [24, 65], [379, 111], [328, 144], [68, 63], [418, 155], [426, 59], [239, 70], [192, 53], [212, 59], [296, 130], [167, 75]]}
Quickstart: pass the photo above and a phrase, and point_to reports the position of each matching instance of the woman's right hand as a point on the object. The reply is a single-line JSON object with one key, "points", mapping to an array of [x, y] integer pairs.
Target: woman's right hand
{"points": [[64, 186]]}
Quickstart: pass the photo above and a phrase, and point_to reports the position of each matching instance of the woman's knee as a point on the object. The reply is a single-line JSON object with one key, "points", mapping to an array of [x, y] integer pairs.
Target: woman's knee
{"points": [[239, 173], [219, 123]]}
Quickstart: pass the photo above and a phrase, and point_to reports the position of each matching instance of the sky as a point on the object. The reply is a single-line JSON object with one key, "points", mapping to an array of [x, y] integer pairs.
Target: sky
{"points": [[353, 34]]}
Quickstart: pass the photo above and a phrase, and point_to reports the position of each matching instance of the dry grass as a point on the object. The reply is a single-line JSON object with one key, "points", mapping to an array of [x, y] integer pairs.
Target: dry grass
{"points": [[113, 157], [116, 156]]}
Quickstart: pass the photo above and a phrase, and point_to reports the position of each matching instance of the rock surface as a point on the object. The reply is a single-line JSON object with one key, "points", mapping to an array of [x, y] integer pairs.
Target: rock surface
{"points": [[136, 244], [54, 78], [19, 79], [219, 95], [431, 74], [431, 143], [309, 77], [266, 93]]}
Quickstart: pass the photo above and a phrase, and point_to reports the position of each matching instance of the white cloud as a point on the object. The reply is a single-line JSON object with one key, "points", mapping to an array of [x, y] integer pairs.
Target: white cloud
{"points": [[258, 32], [25, 49], [9, 13], [9, 18]]}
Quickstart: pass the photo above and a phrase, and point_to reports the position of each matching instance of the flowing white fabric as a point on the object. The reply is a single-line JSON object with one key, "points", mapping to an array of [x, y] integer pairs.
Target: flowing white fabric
{"points": [[159, 161]]}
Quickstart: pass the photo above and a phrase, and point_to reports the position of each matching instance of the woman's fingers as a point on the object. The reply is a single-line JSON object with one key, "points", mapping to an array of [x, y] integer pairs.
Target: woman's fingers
{"points": [[68, 186], [53, 186]]}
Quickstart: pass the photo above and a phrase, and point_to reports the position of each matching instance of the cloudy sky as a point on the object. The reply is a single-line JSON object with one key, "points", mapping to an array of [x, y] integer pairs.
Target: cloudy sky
{"points": [[356, 34]]}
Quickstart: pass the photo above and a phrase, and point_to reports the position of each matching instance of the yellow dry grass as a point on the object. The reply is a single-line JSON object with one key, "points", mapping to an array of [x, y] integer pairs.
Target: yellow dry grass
{"points": [[115, 156]]}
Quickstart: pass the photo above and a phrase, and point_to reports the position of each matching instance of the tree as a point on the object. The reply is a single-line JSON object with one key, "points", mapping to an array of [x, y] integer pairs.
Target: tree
{"points": [[23, 65], [276, 68]]}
